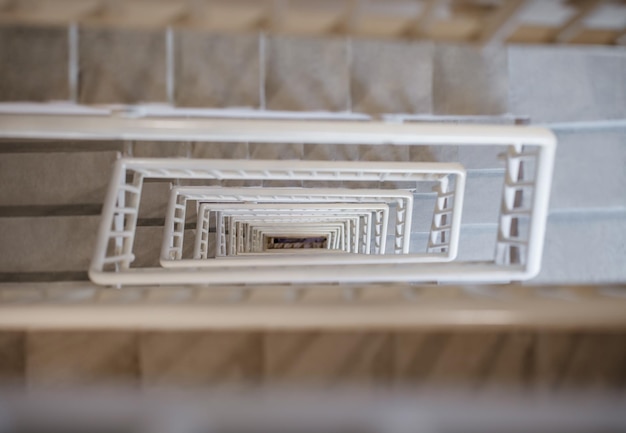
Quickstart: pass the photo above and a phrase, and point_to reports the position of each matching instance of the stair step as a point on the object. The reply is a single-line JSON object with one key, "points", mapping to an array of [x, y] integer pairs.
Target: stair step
{"points": [[47, 244], [147, 246], [54, 178]]}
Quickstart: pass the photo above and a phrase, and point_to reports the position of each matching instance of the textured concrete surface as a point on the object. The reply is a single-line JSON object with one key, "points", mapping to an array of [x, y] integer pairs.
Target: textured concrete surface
{"points": [[483, 198], [482, 361], [121, 66], [61, 359], [147, 246], [383, 153], [160, 149], [469, 80], [12, 357], [570, 361], [326, 359], [33, 63], [448, 360], [567, 84], [584, 248], [154, 199], [391, 77], [54, 178], [276, 150], [306, 74], [481, 157], [217, 70], [200, 359], [47, 244], [220, 150], [590, 171], [476, 242]]}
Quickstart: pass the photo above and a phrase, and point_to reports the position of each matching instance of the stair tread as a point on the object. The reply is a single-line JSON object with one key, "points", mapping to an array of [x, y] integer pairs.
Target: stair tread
{"points": [[54, 178], [47, 244]]}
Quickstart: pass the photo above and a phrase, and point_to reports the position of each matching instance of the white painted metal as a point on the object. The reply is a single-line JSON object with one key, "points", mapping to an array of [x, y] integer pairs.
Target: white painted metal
{"points": [[293, 209], [221, 224], [117, 262], [515, 264], [256, 233], [338, 230], [172, 246], [343, 227], [402, 201], [174, 229], [307, 209], [257, 227]]}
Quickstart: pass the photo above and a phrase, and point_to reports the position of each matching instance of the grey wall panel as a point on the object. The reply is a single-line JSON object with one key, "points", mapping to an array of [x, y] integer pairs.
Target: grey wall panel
{"points": [[306, 74], [122, 66], [469, 80], [590, 170], [556, 84], [391, 77], [33, 63], [584, 248], [217, 70]]}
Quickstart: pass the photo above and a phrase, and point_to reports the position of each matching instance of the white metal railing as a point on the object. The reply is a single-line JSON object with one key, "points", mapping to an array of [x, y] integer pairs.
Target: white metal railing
{"points": [[401, 200], [340, 231], [521, 239], [173, 248], [351, 226], [234, 225], [227, 169]]}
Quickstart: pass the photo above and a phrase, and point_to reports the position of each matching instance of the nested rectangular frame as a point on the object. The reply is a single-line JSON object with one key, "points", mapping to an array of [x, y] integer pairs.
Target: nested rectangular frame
{"points": [[114, 249], [201, 243], [362, 235], [180, 195], [364, 228], [268, 233], [335, 228], [249, 226], [250, 213], [346, 227], [171, 249], [361, 231], [271, 243], [305, 209], [231, 209], [123, 216], [522, 141], [402, 199], [253, 229], [201, 240]]}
